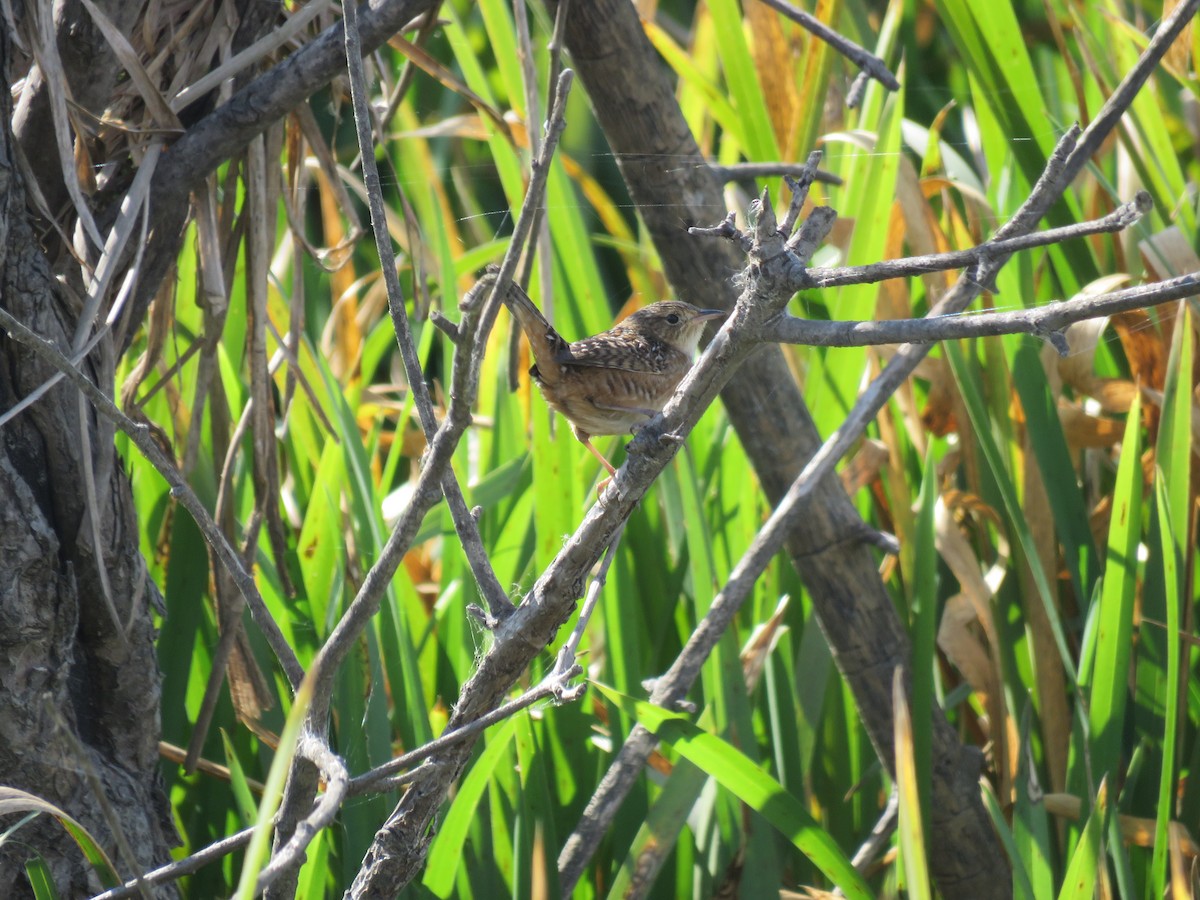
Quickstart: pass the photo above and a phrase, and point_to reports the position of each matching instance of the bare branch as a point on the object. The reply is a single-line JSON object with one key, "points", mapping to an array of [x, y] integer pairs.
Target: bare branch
{"points": [[805, 242], [556, 685], [228, 129], [872, 66], [181, 867], [799, 186], [1119, 219], [727, 229], [1046, 321], [566, 656], [468, 531], [751, 170], [337, 783], [472, 331], [881, 834]]}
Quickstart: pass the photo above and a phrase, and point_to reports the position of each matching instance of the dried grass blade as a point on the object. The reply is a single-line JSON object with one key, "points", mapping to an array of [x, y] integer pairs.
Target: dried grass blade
{"points": [[45, 53], [93, 515], [257, 51], [118, 237], [449, 80], [156, 103], [259, 241]]}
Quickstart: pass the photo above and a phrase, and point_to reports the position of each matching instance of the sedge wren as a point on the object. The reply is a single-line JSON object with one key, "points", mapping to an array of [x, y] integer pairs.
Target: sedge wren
{"points": [[614, 381]]}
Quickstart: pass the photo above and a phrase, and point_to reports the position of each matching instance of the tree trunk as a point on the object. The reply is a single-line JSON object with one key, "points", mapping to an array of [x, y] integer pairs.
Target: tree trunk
{"points": [[79, 717]]}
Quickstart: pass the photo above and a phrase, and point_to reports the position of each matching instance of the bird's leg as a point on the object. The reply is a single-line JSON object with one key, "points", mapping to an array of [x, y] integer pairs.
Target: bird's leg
{"points": [[586, 439], [587, 442]]}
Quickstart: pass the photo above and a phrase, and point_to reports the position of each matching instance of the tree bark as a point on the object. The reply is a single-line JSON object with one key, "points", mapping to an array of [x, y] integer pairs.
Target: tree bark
{"points": [[672, 187], [79, 710]]}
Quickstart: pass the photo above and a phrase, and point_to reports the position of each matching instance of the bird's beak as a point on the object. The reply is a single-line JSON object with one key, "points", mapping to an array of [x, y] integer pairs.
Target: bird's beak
{"points": [[706, 314]]}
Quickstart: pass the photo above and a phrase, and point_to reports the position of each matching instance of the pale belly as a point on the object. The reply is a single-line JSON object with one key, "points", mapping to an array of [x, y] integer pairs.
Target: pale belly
{"points": [[614, 402]]}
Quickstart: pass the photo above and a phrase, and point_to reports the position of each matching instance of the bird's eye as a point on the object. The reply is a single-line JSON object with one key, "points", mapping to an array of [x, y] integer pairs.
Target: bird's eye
{"points": [[673, 319]]}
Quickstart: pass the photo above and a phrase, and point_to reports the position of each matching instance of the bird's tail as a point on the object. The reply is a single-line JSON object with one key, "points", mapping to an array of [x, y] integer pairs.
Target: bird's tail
{"points": [[549, 349], [528, 316]]}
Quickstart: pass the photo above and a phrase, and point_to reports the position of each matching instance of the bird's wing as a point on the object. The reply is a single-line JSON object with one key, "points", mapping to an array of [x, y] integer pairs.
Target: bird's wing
{"points": [[627, 351]]}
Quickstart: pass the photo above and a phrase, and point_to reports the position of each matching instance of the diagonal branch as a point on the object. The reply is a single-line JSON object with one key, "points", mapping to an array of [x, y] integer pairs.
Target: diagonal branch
{"points": [[1117, 220], [468, 532], [249, 112], [870, 64], [470, 338]]}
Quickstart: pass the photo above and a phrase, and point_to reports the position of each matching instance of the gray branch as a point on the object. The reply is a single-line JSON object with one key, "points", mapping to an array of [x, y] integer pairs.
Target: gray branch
{"points": [[1047, 321], [1119, 219], [871, 65]]}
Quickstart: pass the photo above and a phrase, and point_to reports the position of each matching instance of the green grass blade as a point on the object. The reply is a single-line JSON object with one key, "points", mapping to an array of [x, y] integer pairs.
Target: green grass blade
{"points": [[1172, 486], [1079, 883], [259, 848], [1109, 674], [14, 800], [1028, 839], [1054, 460], [447, 849], [924, 612], [1012, 507], [912, 834], [40, 879], [766, 796], [744, 86]]}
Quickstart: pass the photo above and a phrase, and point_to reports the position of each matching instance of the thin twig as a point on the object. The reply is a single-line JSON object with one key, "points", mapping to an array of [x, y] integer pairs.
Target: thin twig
{"points": [[871, 65], [566, 655], [556, 685], [880, 835], [182, 867], [472, 333], [389, 861], [538, 229], [799, 186], [328, 805], [1119, 219], [468, 532], [302, 777], [429, 22], [1046, 321], [465, 525], [752, 170]]}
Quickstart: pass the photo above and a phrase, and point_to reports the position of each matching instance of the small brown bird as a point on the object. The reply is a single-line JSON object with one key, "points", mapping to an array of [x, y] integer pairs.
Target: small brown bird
{"points": [[612, 382]]}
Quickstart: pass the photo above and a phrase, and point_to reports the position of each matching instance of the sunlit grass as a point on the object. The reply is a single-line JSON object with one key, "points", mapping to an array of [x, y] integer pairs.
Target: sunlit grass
{"points": [[1045, 597]]}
